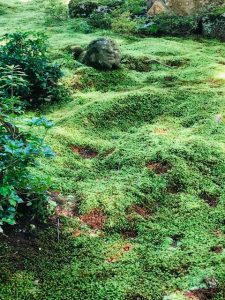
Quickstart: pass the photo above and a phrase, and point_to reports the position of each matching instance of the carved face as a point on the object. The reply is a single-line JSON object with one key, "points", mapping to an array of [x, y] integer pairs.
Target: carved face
{"points": [[103, 54]]}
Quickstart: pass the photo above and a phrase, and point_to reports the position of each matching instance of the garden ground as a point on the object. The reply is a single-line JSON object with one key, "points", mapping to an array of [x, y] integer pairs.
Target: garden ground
{"points": [[138, 175]]}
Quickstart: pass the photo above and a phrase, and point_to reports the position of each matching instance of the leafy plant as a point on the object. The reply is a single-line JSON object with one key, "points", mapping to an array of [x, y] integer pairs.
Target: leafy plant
{"points": [[100, 19], [12, 79], [123, 23], [55, 11], [82, 8], [135, 7], [29, 53], [82, 25], [19, 150], [167, 24]]}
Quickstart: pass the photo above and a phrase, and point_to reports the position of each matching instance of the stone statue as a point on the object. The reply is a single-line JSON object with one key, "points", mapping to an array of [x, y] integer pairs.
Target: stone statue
{"points": [[102, 54]]}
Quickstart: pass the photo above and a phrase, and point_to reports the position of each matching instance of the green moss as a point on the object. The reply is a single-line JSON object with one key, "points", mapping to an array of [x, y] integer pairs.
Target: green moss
{"points": [[158, 132], [88, 79]]}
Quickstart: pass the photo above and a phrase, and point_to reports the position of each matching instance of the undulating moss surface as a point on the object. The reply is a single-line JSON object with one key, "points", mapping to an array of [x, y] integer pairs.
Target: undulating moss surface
{"points": [[139, 173]]}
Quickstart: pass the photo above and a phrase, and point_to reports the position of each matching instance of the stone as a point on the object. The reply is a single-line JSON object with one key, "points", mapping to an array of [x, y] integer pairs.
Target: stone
{"points": [[157, 8], [102, 54]]}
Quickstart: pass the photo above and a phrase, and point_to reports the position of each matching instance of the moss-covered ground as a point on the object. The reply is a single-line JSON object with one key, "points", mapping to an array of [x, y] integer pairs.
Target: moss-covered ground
{"points": [[139, 173]]}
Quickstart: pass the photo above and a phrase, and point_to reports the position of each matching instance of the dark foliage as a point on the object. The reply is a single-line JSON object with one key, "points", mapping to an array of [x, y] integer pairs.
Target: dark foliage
{"points": [[19, 151], [30, 54]]}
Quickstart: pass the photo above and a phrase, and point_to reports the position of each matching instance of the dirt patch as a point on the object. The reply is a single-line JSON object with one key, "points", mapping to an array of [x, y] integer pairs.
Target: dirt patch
{"points": [[139, 64], [142, 211], [211, 200], [201, 294], [127, 247], [134, 210], [159, 167], [217, 249], [20, 236], [173, 189], [85, 152], [177, 62], [18, 242], [129, 233], [94, 219], [112, 259]]}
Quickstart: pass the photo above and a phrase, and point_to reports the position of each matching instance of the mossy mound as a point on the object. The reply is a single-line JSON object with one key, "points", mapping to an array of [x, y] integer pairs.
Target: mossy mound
{"points": [[88, 79]]}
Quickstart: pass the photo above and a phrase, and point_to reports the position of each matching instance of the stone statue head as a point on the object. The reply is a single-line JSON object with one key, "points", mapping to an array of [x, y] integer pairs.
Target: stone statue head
{"points": [[103, 54]]}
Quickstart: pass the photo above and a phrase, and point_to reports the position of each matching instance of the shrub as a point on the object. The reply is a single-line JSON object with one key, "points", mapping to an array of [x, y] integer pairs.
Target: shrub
{"points": [[18, 151], [82, 8], [55, 11], [135, 7], [30, 54], [100, 19], [213, 22], [166, 24], [123, 23], [82, 25]]}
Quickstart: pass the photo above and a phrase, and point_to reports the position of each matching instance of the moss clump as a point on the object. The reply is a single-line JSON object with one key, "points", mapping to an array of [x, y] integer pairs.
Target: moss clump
{"points": [[140, 64], [88, 79]]}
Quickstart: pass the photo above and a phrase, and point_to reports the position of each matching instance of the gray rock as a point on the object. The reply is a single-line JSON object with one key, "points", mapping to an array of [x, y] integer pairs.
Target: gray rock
{"points": [[102, 54]]}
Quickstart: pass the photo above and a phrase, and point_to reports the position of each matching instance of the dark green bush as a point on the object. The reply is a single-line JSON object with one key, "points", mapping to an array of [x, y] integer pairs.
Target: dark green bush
{"points": [[30, 54], [100, 19], [213, 23], [122, 22], [166, 24], [85, 8], [55, 11], [82, 8], [82, 25], [135, 7], [19, 151]]}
